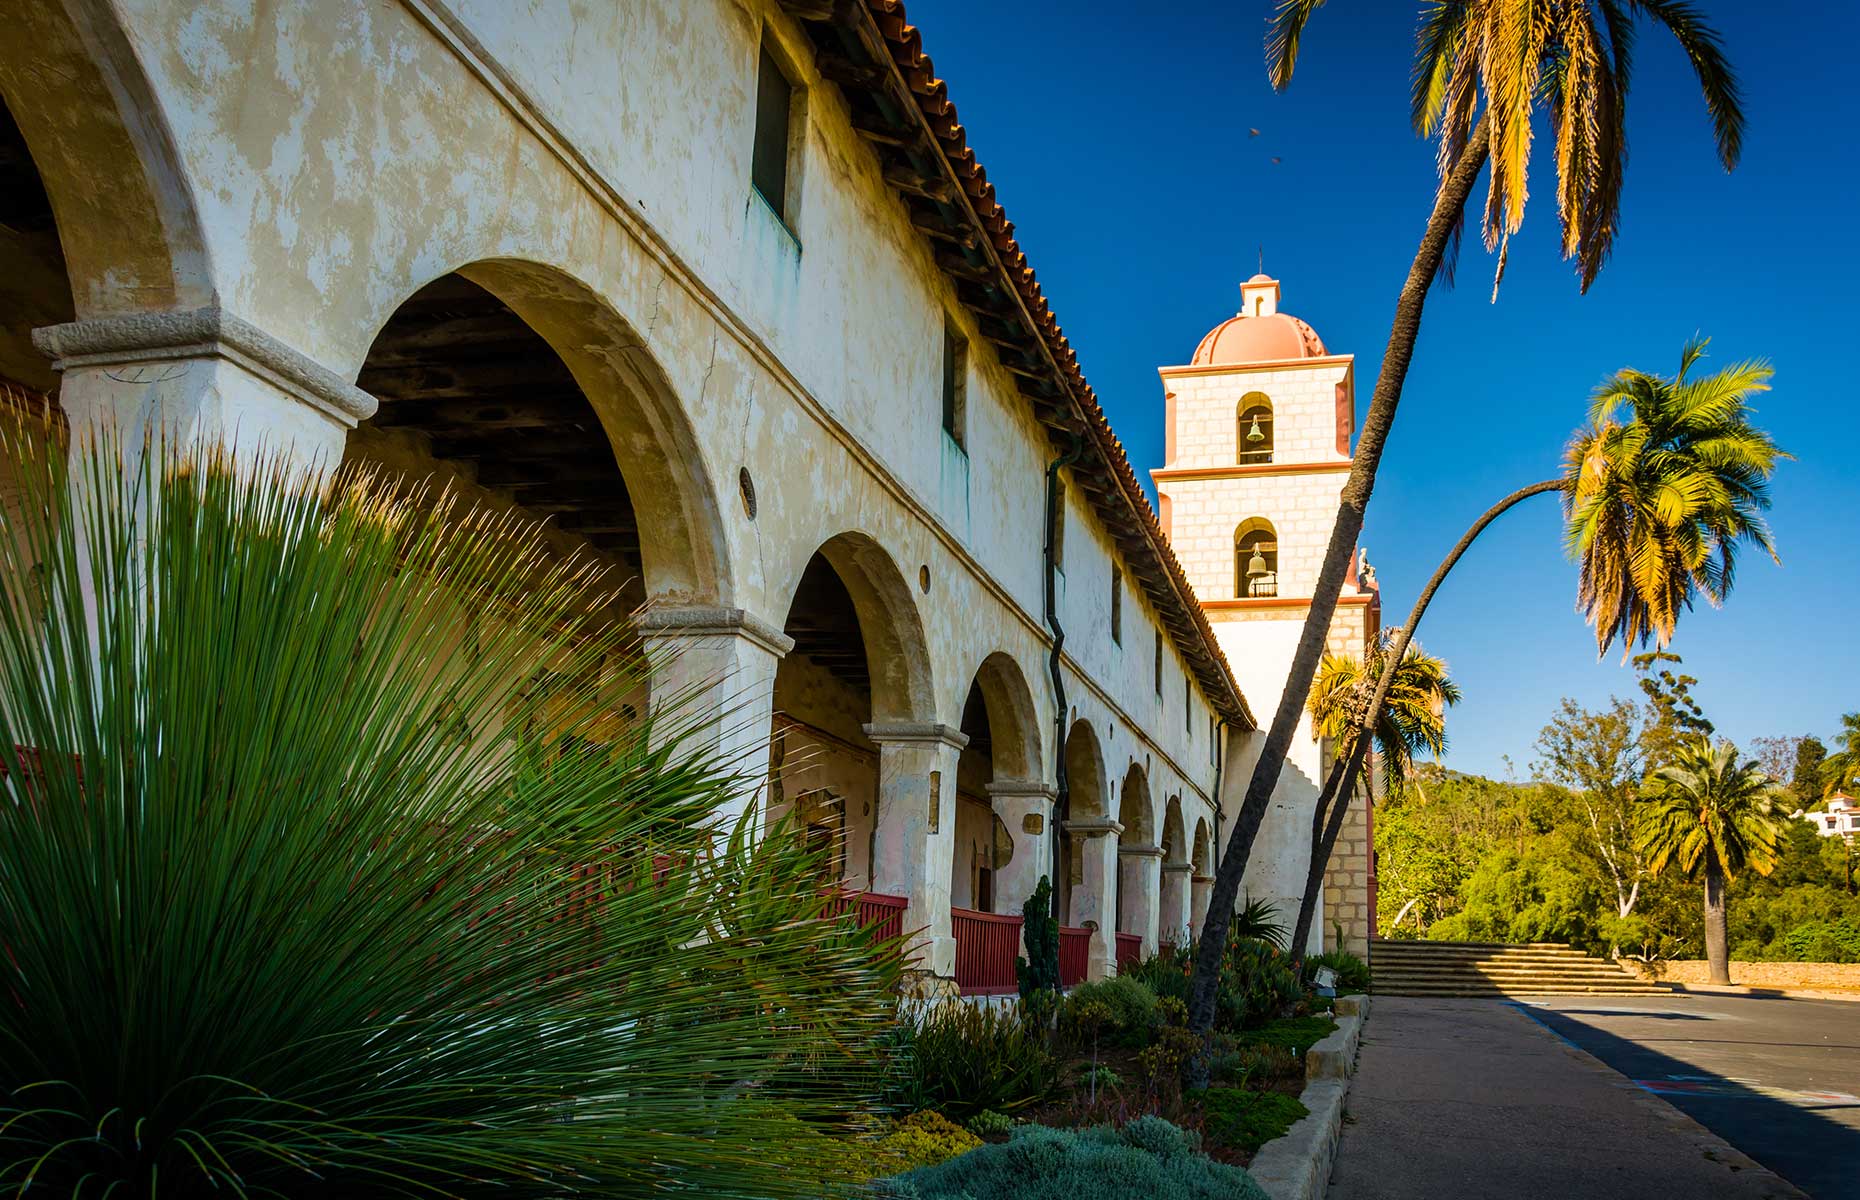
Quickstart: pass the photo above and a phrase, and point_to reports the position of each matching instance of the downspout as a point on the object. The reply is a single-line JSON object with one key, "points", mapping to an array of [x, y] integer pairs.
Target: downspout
{"points": [[1062, 793], [1220, 756]]}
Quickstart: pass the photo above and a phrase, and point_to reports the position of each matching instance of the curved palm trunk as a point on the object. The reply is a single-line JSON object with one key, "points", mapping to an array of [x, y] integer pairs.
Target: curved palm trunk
{"points": [[1449, 207], [1340, 785], [1717, 951]]}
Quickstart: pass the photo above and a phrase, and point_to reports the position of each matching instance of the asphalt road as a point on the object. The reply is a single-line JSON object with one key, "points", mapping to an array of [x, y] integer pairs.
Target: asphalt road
{"points": [[1776, 1078], [1474, 1100]]}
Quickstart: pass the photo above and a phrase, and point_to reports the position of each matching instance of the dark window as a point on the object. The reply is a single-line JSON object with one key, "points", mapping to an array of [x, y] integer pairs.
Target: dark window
{"points": [[769, 167], [1188, 709], [1159, 664], [955, 384], [1117, 606]]}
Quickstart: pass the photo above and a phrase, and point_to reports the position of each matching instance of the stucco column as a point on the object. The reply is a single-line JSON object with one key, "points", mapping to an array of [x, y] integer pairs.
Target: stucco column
{"points": [[1200, 891], [916, 831], [1094, 903], [1173, 927], [201, 374], [716, 667], [1139, 881], [1025, 806]]}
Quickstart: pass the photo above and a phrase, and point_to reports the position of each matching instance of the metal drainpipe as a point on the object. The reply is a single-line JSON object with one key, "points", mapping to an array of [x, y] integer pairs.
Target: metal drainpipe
{"points": [[1062, 793]]}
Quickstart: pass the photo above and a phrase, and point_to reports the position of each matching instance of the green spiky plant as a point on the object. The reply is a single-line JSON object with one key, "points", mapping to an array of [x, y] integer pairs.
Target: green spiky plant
{"points": [[332, 871]]}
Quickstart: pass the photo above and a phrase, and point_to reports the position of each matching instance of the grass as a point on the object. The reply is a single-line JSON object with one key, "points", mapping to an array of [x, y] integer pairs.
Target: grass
{"points": [[1244, 1121]]}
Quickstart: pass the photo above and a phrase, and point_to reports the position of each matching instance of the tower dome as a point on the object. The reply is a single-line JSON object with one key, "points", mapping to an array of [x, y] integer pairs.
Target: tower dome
{"points": [[1259, 332]]}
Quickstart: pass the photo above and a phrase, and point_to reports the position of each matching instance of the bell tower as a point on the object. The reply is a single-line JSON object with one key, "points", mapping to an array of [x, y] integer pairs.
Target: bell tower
{"points": [[1259, 426]]}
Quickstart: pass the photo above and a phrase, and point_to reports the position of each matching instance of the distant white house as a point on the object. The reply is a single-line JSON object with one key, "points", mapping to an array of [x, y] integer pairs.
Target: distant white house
{"points": [[1842, 816]]}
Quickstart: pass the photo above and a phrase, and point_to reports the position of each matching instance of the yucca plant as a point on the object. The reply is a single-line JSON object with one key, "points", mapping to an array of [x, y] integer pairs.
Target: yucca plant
{"points": [[332, 867]]}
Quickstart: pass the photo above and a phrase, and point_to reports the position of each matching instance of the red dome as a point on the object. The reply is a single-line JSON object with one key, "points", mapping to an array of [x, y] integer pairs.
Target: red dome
{"points": [[1274, 337]]}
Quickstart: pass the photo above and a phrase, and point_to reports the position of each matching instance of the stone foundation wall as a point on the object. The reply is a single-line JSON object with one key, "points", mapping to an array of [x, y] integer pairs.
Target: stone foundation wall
{"points": [[1844, 976], [1346, 885]]}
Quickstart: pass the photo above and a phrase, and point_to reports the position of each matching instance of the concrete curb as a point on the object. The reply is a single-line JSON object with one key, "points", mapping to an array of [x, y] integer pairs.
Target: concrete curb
{"points": [[1297, 1165]]}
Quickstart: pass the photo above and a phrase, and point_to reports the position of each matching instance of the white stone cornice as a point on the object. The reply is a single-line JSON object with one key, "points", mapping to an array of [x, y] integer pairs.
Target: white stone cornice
{"points": [[1094, 828], [1178, 866], [1141, 851], [204, 333], [916, 731], [697, 621]]}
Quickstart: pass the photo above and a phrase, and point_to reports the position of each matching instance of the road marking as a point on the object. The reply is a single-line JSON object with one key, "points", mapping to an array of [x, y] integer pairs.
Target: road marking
{"points": [[1718, 1088]]}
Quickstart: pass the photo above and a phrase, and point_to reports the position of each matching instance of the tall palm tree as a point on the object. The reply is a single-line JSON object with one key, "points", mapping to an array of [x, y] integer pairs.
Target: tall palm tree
{"points": [[1708, 813], [1412, 721], [1481, 69], [1691, 439], [1841, 770]]}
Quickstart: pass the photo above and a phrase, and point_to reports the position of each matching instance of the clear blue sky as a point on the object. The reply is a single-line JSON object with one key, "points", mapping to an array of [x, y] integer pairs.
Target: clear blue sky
{"points": [[1117, 136]]}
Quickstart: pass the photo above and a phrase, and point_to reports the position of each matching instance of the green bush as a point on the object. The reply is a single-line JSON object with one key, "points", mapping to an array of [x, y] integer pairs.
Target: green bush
{"points": [[1245, 1121], [1131, 1005], [1257, 981], [1255, 1064], [922, 1139], [1352, 972], [1297, 1034], [1824, 941], [963, 1059], [384, 895], [1148, 1158], [988, 1123], [1040, 931]]}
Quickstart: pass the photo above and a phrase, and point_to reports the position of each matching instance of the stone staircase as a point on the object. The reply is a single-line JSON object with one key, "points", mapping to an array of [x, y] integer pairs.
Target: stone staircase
{"points": [[1497, 969]]}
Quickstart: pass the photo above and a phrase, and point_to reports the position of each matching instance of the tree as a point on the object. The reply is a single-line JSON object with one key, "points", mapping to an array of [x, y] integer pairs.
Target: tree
{"points": [[1599, 756], [1491, 50], [1411, 721], [1805, 780], [1841, 771], [1673, 713], [1709, 815], [1776, 755], [1694, 439]]}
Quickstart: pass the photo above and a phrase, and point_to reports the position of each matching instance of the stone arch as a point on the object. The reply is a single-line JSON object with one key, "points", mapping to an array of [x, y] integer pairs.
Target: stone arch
{"points": [[128, 228], [522, 365], [992, 866], [1174, 921], [1086, 803], [1200, 876], [1138, 877], [1255, 537], [1087, 798], [1200, 855], [1253, 429]]}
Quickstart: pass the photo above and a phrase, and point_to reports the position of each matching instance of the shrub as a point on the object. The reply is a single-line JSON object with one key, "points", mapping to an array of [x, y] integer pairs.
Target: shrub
{"points": [[988, 1124], [1352, 972], [386, 937], [962, 1059], [1039, 972], [922, 1139], [1131, 1016], [1245, 1121], [1257, 981], [1824, 941], [1297, 1034], [1100, 1078], [1255, 1064], [1148, 1158]]}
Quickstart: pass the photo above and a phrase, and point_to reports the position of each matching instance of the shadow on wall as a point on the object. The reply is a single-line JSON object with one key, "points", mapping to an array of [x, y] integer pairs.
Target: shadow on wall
{"points": [[1793, 1139]]}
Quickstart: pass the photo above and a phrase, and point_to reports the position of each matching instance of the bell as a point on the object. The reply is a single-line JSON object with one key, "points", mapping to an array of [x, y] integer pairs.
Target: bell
{"points": [[1256, 566], [1255, 434]]}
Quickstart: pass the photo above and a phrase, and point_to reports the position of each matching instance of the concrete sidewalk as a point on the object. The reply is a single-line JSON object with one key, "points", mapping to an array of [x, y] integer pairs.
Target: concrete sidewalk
{"points": [[1471, 1099]]}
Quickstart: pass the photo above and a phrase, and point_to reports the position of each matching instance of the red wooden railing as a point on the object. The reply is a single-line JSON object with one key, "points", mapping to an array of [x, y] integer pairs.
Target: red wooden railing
{"points": [[986, 946], [1129, 950], [873, 910], [1074, 954]]}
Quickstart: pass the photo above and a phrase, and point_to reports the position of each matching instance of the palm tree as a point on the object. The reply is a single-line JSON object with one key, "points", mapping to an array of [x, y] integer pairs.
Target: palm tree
{"points": [[1706, 812], [1699, 474], [1505, 57], [1841, 770], [1413, 720]]}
